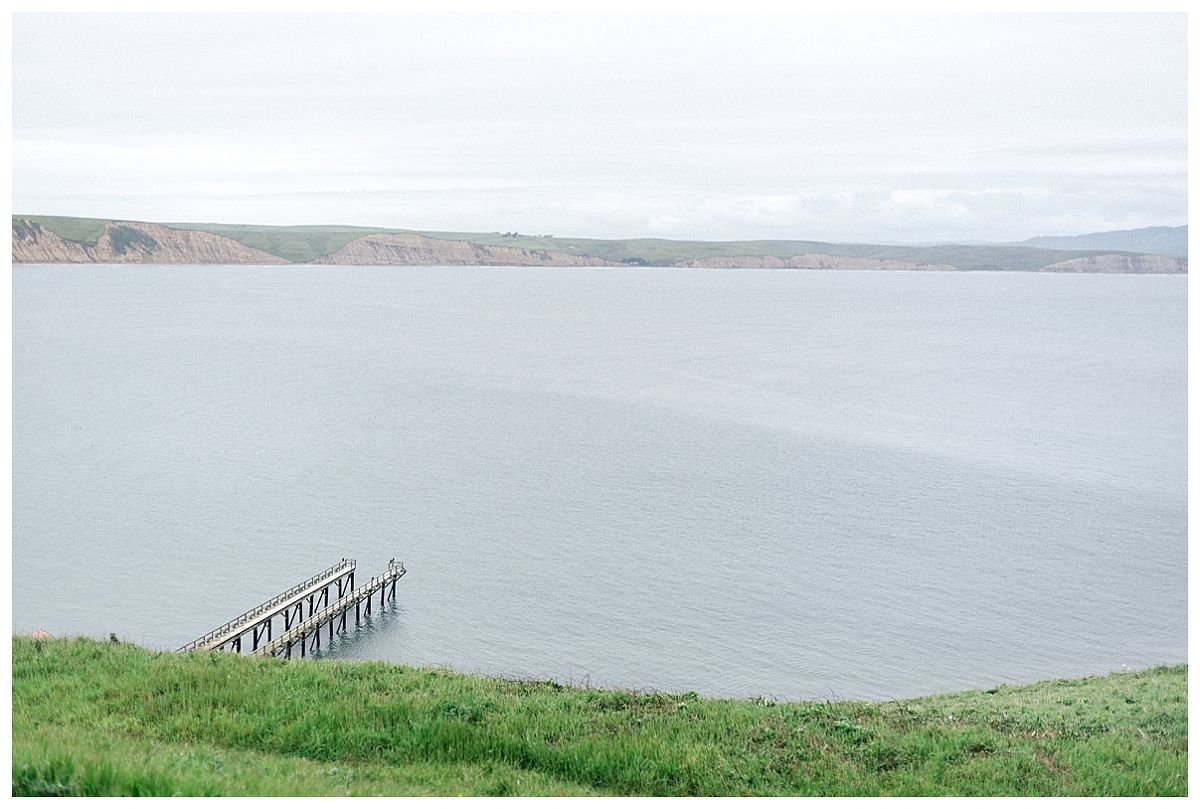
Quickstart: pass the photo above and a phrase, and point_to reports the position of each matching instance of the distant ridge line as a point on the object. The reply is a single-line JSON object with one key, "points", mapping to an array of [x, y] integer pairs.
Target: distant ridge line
{"points": [[1164, 241], [74, 240]]}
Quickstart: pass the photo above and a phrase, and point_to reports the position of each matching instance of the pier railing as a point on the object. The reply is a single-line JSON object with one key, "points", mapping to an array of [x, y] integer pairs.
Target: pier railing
{"points": [[252, 616], [335, 613]]}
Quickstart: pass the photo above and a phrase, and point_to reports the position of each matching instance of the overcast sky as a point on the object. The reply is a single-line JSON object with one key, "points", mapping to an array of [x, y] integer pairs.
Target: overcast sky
{"points": [[845, 128]]}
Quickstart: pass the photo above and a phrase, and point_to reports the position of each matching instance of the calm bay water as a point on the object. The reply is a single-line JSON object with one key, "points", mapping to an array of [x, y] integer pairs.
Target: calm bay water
{"points": [[800, 484]]}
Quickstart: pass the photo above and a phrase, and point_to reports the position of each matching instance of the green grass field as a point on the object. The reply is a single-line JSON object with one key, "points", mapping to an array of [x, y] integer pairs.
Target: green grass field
{"points": [[296, 244], [664, 252], [304, 243], [96, 718], [73, 229]]}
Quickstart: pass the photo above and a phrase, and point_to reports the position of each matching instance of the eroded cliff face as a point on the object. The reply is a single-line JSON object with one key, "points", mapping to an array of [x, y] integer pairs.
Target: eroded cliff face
{"points": [[32, 244], [146, 243], [808, 261], [1158, 265], [133, 243], [406, 249]]}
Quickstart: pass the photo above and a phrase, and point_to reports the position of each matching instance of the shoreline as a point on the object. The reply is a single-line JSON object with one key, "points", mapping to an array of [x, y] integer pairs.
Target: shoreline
{"points": [[66, 240]]}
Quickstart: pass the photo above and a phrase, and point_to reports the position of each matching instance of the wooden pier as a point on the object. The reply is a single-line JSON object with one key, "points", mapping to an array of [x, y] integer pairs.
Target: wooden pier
{"points": [[258, 624]]}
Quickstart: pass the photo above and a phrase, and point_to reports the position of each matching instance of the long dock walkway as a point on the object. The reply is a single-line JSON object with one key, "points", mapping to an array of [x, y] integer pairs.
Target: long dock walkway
{"points": [[307, 635], [257, 624]]}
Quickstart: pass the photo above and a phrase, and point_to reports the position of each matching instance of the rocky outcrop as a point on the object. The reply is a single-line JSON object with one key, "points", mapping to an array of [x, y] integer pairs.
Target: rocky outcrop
{"points": [[407, 249], [1158, 265], [32, 244], [133, 243], [808, 261]]}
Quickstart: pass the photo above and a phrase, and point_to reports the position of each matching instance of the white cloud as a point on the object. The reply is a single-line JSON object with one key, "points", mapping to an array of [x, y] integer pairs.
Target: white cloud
{"points": [[852, 127]]}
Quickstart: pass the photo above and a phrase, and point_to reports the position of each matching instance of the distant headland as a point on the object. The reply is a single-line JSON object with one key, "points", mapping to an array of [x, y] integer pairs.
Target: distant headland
{"points": [[71, 240]]}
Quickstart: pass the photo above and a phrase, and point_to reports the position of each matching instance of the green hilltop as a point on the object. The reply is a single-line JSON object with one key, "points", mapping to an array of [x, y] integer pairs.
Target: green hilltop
{"points": [[73, 229], [109, 718], [297, 243], [306, 242]]}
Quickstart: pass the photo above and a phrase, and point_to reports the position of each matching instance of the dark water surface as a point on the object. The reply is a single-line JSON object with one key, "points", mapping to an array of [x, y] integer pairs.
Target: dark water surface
{"points": [[799, 484]]}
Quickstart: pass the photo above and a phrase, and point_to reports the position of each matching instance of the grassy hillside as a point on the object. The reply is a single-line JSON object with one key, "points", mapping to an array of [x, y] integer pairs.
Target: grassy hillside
{"points": [[664, 252], [304, 243], [107, 718], [298, 244], [84, 231]]}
